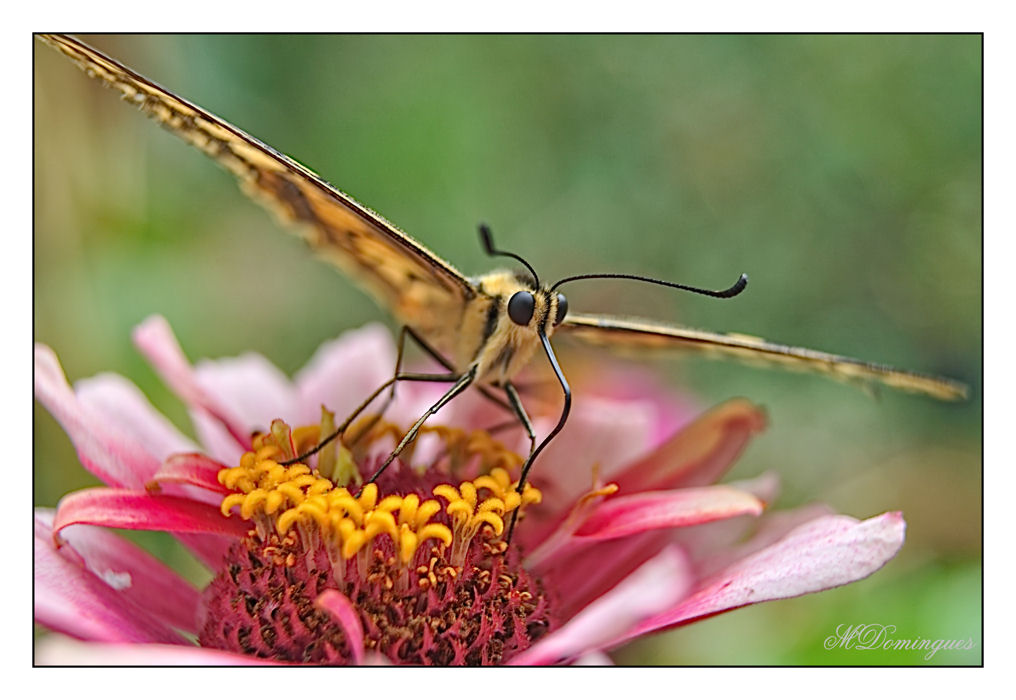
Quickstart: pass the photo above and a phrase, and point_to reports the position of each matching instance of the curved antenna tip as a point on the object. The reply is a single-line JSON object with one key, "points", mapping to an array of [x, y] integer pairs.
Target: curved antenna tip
{"points": [[736, 289]]}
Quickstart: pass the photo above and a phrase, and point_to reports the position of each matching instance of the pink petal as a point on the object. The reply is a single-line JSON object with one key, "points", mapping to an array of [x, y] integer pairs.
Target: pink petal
{"points": [[56, 650], [136, 574], [593, 658], [343, 612], [210, 549], [111, 454], [117, 402], [700, 453], [194, 468], [583, 573], [765, 486], [713, 548], [156, 341], [608, 433], [655, 510], [216, 440], [345, 371], [576, 541], [256, 391], [708, 539], [562, 537], [656, 585], [132, 510], [73, 600], [696, 455], [824, 553], [671, 411]]}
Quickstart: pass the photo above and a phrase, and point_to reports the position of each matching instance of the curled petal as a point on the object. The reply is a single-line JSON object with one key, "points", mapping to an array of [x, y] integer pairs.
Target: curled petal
{"points": [[342, 611], [135, 573], [655, 510], [71, 599], [698, 454], [824, 553], [132, 510], [655, 586], [192, 468]]}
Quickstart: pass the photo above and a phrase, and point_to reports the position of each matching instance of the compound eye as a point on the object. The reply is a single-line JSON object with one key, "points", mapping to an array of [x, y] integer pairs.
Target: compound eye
{"points": [[521, 307], [562, 309]]}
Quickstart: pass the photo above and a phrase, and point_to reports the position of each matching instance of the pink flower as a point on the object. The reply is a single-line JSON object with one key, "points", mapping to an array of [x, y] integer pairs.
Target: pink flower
{"points": [[624, 529]]}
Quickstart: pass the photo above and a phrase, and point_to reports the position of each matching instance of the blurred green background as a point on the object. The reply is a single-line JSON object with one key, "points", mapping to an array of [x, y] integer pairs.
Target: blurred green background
{"points": [[843, 173]]}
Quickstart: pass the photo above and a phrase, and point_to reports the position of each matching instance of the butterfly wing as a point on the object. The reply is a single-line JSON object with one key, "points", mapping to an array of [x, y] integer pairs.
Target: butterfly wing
{"points": [[418, 287], [639, 334]]}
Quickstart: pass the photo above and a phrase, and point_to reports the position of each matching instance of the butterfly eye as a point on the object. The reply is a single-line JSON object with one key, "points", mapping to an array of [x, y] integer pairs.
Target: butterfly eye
{"points": [[520, 308], [562, 309]]}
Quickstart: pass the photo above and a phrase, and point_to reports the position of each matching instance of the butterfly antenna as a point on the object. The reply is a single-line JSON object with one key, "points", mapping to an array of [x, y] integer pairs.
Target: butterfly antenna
{"points": [[731, 291], [488, 243]]}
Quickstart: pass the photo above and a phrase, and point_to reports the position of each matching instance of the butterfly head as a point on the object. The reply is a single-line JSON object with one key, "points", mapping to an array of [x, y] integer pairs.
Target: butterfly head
{"points": [[514, 313], [529, 305], [519, 313], [523, 303], [543, 306]]}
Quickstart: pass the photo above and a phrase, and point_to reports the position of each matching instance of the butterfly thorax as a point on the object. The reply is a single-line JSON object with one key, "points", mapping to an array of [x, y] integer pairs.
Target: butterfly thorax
{"points": [[489, 339]]}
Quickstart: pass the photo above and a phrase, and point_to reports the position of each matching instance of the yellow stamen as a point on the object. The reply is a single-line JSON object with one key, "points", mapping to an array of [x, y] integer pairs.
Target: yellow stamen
{"points": [[280, 497], [378, 521], [389, 503], [368, 497], [427, 510], [469, 517], [492, 519], [435, 531], [250, 504], [408, 508], [233, 499]]}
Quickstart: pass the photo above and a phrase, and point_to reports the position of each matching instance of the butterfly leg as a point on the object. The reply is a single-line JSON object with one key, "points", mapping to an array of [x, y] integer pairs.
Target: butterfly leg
{"points": [[461, 384], [443, 361], [437, 357], [391, 395], [520, 411], [565, 410], [400, 377]]}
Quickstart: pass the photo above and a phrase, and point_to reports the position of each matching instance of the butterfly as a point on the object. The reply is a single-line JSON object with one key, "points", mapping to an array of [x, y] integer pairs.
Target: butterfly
{"points": [[484, 329]]}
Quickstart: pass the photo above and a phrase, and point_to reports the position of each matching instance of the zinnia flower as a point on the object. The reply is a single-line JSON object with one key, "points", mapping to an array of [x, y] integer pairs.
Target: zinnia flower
{"points": [[623, 530]]}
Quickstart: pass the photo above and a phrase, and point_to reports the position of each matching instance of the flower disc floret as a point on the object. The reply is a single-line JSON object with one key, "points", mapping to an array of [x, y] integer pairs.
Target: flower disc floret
{"points": [[422, 557]]}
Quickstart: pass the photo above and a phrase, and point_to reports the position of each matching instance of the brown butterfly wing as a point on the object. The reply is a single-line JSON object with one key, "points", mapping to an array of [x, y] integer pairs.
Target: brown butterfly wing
{"points": [[418, 287], [620, 333]]}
